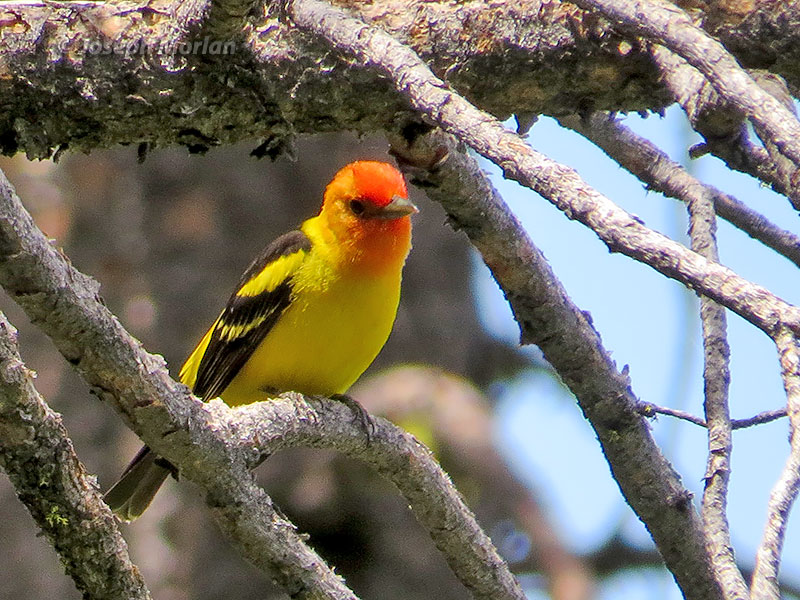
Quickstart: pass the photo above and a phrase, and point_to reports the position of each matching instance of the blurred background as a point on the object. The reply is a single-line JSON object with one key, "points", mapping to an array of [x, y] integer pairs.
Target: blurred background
{"points": [[168, 239]]}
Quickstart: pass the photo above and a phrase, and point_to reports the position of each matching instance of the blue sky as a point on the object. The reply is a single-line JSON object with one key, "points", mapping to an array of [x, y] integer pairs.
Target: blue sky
{"points": [[651, 324]]}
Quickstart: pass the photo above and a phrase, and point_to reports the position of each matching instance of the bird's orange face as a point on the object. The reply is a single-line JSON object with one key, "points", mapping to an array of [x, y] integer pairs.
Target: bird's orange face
{"points": [[367, 209]]}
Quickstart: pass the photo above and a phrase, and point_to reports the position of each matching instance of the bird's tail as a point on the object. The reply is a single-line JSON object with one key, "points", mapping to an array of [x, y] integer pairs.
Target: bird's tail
{"points": [[132, 494]]}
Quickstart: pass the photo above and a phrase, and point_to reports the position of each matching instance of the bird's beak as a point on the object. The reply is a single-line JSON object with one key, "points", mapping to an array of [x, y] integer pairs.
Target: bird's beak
{"points": [[397, 208]]}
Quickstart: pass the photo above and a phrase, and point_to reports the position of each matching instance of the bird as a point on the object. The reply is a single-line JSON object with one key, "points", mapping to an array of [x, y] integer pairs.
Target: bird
{"points": [[309, 315]]}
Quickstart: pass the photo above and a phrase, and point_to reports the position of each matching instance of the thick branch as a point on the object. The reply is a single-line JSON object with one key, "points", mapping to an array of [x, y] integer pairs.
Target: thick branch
{"points": [[768, 38], [724, 133], [548, 318], [37, 455], [274, 82], [513, 57]]}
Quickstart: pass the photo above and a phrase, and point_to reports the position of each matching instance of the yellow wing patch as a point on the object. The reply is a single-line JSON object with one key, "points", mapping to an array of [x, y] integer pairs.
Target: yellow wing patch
{"points": [[229, 332], [272, 276]]}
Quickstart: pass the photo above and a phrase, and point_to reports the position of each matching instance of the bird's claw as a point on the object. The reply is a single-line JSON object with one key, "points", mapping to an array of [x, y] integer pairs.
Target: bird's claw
{"points": [[364, 418]]}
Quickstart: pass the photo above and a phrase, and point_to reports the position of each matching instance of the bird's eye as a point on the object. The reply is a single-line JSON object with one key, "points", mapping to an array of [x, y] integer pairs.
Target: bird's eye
{"points": [[357, 207]]}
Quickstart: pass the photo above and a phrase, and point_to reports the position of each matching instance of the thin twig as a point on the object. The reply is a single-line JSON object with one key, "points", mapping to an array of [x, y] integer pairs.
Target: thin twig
{"points": [[37, 455], [784, 493], [669, 25], [716, 382], [648, 409], [764, 417], [650, 164]]}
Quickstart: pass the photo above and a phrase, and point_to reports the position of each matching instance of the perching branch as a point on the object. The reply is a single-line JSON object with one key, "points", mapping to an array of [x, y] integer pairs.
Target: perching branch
{"points": [[548, 318], [263, 428], [37, 455], [652, 166], [765, 583], [64, 304]]}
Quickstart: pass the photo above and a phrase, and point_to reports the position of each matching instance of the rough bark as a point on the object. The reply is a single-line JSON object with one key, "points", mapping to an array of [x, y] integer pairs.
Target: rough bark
{"points": [[63, 87], [37, 455]]}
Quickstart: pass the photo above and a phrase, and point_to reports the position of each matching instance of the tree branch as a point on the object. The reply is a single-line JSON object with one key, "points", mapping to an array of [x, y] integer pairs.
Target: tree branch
{"points": [[531, 57], [548, 318], [67, 59], [37, 455], [652, 166], [765, 584], [459, 419], [176, 425], [560, 185], [716, 379], [670, 26], [648, 409], [725, 134], [261, 429], [763, 417], [65, 304]]}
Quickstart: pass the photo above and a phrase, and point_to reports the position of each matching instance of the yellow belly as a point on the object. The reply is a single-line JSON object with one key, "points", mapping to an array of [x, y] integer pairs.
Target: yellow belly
{"points": [[324, 340]]}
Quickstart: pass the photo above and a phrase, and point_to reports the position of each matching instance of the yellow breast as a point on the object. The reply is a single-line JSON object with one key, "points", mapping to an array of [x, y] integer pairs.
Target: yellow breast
{"points": [[327, 337]]}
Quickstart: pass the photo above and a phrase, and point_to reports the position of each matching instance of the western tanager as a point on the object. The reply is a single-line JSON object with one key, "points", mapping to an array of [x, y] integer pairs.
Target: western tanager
{"points": [[309, 314]]}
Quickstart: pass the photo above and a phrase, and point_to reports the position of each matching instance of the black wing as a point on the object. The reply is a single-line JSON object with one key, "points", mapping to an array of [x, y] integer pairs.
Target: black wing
{"points": [[246, 320]]}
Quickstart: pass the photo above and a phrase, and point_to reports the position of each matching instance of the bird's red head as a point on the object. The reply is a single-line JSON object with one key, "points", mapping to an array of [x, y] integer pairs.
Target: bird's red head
{"points": [[373, 186], [376, 182], [367, 209]]}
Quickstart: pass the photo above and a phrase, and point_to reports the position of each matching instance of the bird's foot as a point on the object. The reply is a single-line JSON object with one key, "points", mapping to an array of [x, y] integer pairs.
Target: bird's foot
{"points": [[367, 423]]}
